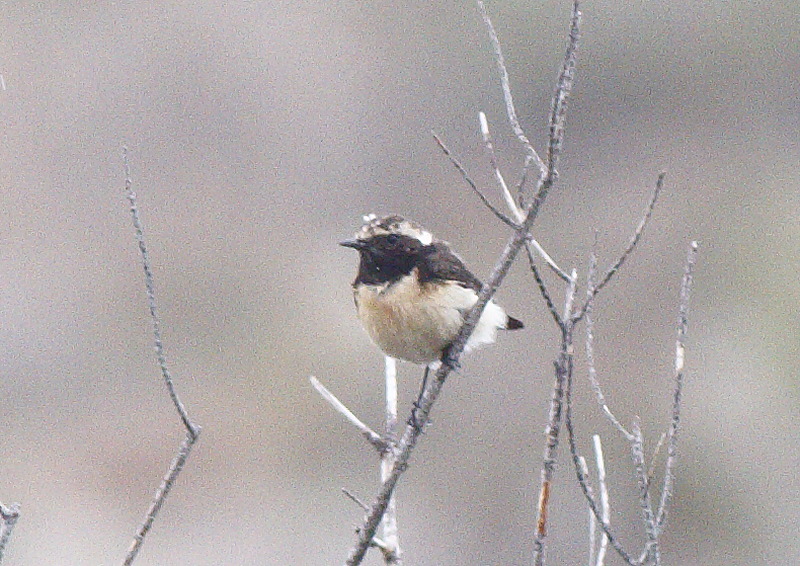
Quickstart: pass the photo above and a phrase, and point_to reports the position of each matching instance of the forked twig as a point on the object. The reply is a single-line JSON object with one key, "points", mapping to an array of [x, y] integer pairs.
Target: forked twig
{"points": [[192, 429], [631, 245]]}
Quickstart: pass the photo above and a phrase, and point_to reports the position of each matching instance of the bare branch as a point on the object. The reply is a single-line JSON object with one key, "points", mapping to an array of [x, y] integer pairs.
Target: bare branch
{"points": [[391, 535], [631, 245], [563, 367], [680, 351], [472, 184], [506, 86], [650, 527], [8, 517], [487, 140], [192, 429], [604, 501], [584, 481], [543, 289], [601, 400], [558, 112], [355, 498], [372, 437], [161, 495]]}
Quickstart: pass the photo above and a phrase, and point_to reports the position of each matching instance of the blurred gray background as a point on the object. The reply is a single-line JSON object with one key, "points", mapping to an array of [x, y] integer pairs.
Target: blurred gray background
{"points": [[259, 133]]}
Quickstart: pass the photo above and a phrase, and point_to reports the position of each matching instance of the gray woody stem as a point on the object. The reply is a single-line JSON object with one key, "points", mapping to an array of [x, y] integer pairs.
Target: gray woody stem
{"points": [[192, 429]]}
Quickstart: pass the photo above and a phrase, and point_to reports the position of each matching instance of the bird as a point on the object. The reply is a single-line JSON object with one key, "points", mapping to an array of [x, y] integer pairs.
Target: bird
{"points": [[412, 293]]}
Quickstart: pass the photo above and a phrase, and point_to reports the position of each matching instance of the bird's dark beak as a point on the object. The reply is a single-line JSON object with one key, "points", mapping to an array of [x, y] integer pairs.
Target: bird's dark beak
{"points": [[355, 244]]}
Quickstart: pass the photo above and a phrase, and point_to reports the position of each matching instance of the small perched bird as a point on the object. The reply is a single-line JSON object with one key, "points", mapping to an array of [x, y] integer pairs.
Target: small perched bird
{"points": [[412, 292]]}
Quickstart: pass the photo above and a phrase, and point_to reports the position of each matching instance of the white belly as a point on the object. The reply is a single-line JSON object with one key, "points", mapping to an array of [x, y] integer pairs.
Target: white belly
{"points": [[416, 323]]}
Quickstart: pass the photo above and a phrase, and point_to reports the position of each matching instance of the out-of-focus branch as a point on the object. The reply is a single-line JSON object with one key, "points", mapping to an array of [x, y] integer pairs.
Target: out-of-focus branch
{"points": [[605, 503], [8, 519]]}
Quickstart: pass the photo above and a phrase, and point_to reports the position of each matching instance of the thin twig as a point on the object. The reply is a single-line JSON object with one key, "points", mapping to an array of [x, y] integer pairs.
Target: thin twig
{"points": [[558, 112], [8, 517], [372, 437], [192, 429], [509, 100], [498, 175], [355, 498], [160, 496], [543, 289], [598, 391], [391, 535], [680, 352], [562, 365], [583, 480], [472, 184], [592, 521], [631, 245], [604, 501], [637, 454]]}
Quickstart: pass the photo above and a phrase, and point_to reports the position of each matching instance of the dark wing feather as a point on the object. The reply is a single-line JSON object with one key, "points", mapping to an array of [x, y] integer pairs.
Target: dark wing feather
{"points": [[440, 264]]}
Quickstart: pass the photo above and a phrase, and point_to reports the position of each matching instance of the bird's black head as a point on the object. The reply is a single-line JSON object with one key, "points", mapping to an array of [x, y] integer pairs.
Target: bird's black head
{"points": [[385, 258]]}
